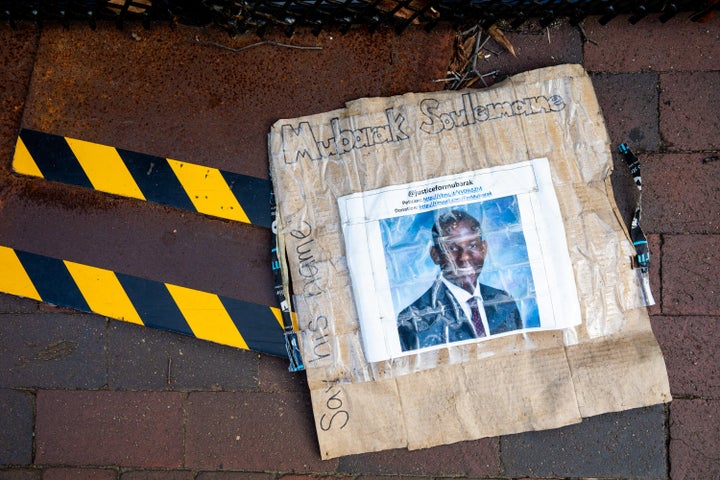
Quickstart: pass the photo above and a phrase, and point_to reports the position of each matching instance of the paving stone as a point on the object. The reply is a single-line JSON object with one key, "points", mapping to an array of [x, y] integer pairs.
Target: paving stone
{"points": [[691, 347], [628, 444], [13, 304], [157, 475], [234, 476], [690, 275], [559, 44], [52, 351], [16, 427], [310, 477], [480, 458], [680, 193], [252, 431], [127, 429], [80, 474], [630, 107], [689, 104], [380, 477], [20, 474], [275, 377], [678, 45], [148, 359], [694, 439], [50, 308]]}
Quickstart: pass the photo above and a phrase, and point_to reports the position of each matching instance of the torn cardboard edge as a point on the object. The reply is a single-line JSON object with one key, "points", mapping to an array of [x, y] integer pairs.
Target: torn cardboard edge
{"points": [[529, 381]]}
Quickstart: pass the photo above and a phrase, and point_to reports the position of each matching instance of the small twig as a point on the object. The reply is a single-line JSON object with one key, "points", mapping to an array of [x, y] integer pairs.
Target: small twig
{"points": [[469, 31], [584, 35], [482, 45], [476, 50], [452, 76], [257, 44], [472, 82], [471, 48], [462, 79], [489, 74], [491, 51]]}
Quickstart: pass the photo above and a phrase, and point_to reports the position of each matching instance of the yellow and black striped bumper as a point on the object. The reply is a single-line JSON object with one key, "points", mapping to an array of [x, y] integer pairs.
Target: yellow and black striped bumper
{"points": [[199, 314], [183, 185]]}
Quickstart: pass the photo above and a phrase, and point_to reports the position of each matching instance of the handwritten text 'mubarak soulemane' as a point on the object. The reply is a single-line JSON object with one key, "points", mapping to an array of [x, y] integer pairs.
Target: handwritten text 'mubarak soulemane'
{"points": [[303, 141]]}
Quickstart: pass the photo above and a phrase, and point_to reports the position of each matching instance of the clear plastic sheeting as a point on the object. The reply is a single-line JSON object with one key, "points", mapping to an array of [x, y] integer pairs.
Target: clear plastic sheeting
{"points": [[454, 249], [458, 259]]}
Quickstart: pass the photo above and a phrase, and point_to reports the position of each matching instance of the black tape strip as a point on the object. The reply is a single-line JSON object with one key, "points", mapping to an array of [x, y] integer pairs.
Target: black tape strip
{"points": [[253, 194], [154, 304], [52, 281], [54, 158], [156, 180], [257, 324]]}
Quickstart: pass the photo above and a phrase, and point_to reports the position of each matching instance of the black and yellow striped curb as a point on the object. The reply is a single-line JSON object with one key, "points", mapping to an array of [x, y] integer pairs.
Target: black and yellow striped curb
{"points": [[199, 314], [160, 180]]}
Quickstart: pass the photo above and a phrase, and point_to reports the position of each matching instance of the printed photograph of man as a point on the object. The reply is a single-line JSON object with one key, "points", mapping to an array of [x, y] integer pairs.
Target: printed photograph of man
{"points": [[457, 306]]}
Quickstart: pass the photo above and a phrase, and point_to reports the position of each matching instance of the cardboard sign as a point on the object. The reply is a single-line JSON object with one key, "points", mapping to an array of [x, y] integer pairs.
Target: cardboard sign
{"points": [[459, 267]]}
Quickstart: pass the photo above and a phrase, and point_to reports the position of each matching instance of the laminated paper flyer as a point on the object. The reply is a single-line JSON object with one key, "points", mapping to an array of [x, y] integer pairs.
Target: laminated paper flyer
{"points": [[387, 234], [458, 265]]}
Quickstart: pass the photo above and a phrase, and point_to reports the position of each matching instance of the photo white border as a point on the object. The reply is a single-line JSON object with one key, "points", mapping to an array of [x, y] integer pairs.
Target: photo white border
{"points": [[529, 181]]}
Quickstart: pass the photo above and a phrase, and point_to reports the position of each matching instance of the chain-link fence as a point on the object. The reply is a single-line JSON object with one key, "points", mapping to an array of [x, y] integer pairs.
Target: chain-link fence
{"points": [[238, 16]]}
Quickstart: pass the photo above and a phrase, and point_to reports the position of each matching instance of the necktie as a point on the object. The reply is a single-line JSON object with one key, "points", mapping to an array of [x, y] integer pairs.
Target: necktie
{"points": [[476, 319]]}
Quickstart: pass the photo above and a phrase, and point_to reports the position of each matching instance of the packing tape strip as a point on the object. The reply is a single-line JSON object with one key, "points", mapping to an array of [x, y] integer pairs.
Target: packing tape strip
{"points": [[282, 292], [146, 177], [641, 261], [196, 313]]}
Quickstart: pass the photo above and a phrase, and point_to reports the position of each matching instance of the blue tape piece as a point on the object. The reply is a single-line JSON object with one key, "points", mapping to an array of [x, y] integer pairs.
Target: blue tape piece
{"points": [[293, 352]]}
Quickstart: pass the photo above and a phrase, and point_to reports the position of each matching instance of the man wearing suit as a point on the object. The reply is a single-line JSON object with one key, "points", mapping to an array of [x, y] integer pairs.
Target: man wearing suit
{"points": [[457, 307]]}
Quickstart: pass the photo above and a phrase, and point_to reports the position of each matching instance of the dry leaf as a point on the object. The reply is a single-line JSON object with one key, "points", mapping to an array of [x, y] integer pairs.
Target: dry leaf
{"points": [[134, 7], [496, 34], [407, 13]]}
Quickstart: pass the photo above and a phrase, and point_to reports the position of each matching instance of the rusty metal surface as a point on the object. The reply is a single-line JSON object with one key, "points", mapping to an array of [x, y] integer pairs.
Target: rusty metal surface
{"points": [[168, 92], [16, 63], [179, 93]]}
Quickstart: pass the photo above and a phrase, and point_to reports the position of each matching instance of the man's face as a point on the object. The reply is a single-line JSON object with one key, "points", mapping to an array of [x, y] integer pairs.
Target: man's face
{"points": [[461, 254]]}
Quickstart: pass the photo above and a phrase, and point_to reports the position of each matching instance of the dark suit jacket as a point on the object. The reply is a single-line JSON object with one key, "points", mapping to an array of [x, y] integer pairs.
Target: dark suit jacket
{"points": [[436, 317]]}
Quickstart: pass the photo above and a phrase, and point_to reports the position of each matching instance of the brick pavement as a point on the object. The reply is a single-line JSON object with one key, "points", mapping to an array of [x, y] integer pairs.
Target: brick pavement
{"points": [[86, 398]]}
